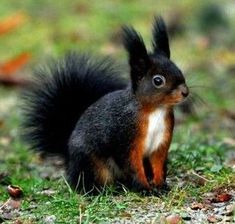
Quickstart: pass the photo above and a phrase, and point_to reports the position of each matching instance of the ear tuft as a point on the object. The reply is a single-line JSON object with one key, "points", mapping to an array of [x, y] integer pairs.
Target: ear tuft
{"points": [[133, 42], [138, 55], [160, 37]]}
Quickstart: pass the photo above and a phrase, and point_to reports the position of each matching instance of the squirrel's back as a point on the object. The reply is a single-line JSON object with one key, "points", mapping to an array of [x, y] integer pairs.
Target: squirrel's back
{"points": [[60, 94]]}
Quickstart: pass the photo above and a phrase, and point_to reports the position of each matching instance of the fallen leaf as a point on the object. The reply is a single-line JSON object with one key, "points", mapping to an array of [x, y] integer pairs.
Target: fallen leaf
{"points": [[14, 64], [223, 197], [13, 81], [12, 22]]}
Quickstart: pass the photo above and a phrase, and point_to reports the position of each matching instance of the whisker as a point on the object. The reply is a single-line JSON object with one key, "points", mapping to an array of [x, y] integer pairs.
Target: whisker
{"points": [[199, 98], [197, 86], [194, 100], [193, 105], [188, 106]]}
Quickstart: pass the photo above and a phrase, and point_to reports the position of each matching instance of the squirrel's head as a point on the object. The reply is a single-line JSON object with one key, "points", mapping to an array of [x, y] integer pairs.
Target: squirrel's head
{"points": [[156, 80]]}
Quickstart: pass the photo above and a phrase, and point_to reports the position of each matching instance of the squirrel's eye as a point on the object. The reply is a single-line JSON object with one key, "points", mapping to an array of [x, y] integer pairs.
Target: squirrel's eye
{"points": [[158, 81]]}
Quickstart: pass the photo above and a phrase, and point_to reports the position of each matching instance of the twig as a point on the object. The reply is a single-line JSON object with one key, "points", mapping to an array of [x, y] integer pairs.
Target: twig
{"points": [[196, 174]]}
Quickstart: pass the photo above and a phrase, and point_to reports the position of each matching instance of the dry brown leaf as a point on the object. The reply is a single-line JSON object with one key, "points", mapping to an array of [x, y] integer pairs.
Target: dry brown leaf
{"points": [[222, 197], [13, 81], [12, 22], [14, 64]]}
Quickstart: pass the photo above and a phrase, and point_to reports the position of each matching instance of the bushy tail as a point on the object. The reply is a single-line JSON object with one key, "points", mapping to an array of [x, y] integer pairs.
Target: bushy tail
{"points": [[59, 95]]}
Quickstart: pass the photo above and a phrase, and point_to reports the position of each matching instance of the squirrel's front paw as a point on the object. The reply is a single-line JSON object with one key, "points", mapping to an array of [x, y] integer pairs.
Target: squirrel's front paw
{"points": [[162, 189], [140, 187]]}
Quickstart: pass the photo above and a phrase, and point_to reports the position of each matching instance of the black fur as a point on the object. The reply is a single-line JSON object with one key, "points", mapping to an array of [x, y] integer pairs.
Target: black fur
{"points": [[59, 95], [112, 126], [83, 109], [138, 56], [160, 37]]}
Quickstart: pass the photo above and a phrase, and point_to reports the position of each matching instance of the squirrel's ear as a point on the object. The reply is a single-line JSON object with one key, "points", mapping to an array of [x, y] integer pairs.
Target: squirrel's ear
{"points": [[138, 56], [160, 37]]}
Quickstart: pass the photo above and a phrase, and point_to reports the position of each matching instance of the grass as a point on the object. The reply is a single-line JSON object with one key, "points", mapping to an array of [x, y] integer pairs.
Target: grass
{"points": [[198, 145]]}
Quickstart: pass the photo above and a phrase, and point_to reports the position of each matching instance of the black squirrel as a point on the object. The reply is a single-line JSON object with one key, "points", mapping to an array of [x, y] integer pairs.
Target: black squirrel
{"points": [[108, 130]]}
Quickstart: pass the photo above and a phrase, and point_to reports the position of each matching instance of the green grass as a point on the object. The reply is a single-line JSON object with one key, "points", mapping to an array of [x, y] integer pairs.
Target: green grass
{"points": [[198, 145]]}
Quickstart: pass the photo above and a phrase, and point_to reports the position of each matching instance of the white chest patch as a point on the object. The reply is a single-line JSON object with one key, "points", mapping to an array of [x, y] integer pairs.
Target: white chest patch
{"points": [[155, 131]]}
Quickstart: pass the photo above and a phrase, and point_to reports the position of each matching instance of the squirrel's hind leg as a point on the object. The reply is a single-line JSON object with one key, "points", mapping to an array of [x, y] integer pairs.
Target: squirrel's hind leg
{"points": [[88, 173], [80, 174]]}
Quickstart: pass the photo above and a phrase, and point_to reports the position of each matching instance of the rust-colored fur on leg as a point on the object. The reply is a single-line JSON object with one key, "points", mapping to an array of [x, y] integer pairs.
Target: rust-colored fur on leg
{"points": [[103, 173], [157, 160], [159, 156], [137, 151], [136, 160]]}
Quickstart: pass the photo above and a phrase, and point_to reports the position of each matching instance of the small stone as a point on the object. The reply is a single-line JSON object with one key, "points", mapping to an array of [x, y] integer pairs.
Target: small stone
{"points": [[15, 204], [173, 219], [229, 210], [8, 215], [185, 217], [11, 204], [17, 221], [50, 219], [211, 219], [196, 206], [48, 192]]}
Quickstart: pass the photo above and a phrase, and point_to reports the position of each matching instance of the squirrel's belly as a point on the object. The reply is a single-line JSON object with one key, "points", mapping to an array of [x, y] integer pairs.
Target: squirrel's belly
{"points": [[155, 130]]}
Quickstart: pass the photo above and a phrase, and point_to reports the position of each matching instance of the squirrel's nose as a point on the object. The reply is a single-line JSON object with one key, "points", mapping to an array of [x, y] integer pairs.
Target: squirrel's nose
{"points": [[184, 90]]}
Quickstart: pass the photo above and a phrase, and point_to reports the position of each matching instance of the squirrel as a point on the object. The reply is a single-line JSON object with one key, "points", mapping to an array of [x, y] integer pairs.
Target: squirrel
{"points": [[108, 129]]}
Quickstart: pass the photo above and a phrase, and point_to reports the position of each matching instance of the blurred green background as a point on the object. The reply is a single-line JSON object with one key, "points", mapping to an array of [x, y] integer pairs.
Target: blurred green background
{"points": [[202, 40], [202, 35]]}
